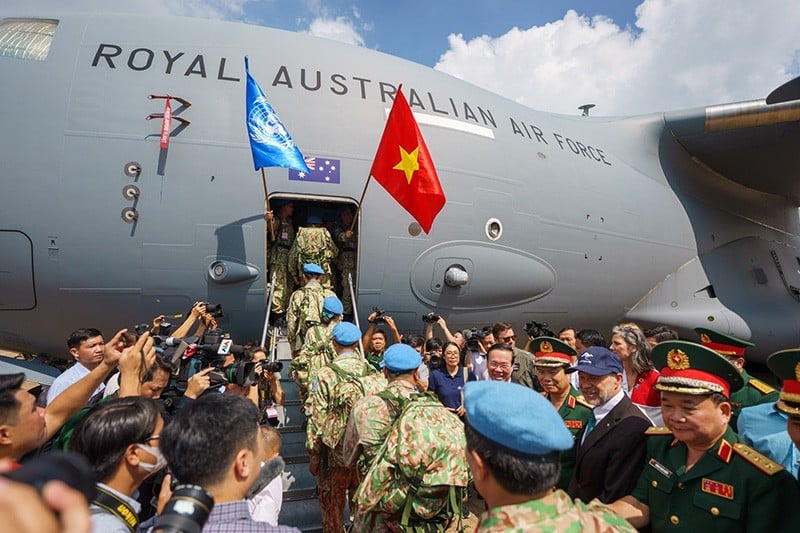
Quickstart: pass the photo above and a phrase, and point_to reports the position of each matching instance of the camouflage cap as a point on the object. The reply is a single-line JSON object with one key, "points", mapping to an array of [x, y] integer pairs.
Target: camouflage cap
{"points": [[401, 357], [493, 409], [690, 368], [786, 365], [551, 352], [311, 268], [346, 333], [332, 304], [723, 344]]}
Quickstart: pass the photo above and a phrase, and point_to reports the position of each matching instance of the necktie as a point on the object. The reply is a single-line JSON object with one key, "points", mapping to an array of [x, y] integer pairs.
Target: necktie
{"points": [[590, 424]]}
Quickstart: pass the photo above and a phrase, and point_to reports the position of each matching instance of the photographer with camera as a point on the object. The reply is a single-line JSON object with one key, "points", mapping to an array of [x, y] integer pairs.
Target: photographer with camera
{"points": [[214, 443], [268, 390], [375, 340], [120, 439], [476, 351]]}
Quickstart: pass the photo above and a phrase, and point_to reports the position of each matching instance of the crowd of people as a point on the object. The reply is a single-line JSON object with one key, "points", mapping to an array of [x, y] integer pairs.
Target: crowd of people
{"points": [[551, 431]]}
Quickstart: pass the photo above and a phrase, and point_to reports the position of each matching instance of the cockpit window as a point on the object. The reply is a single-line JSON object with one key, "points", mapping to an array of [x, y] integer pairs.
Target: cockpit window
{"points": [[26, 38]]}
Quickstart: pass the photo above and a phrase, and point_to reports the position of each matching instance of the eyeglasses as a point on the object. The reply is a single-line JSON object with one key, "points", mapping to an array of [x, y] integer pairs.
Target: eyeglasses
{"points": [[499, 366], [507, 340]]}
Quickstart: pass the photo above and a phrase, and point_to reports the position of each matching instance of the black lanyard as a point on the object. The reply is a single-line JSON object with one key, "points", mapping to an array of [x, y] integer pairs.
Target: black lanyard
{"points": [[118, 508]]}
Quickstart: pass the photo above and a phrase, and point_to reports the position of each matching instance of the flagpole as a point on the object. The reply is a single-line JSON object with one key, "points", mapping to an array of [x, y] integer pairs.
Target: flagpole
{"points": [[358, 207]]}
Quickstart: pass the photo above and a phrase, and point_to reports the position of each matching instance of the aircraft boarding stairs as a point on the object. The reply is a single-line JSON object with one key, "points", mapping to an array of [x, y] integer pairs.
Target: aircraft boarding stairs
{"points": [[300, 505]]}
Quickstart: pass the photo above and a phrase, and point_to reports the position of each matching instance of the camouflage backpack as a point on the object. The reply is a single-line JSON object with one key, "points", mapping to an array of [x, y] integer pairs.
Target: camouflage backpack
{"points": [[418, 479], [346, 393], [311, 246]]}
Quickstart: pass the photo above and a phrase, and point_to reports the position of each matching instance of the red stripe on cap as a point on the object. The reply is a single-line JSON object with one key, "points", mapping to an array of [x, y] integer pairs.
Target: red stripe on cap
{"points": [[791, 386], [554, 355], [698, 375], [724, 349]]}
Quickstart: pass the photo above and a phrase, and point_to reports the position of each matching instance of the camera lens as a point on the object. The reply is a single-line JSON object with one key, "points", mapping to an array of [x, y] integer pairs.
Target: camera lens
{"points": [[186, 512]]}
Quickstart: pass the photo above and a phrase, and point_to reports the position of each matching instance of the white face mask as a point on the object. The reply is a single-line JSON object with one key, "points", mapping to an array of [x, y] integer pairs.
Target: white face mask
{"points": [[161, 462]]}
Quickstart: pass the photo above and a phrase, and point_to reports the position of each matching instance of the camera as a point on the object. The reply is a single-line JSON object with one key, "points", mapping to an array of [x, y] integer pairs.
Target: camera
{"points": [[431, 318], [435, 361], [538, 329], [186, 511], [473, 337], [271, 366], [215, 310], [380, 315]]}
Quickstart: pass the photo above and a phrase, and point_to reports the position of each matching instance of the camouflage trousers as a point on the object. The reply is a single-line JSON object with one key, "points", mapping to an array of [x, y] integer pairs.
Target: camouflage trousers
{"points": [[348, 261], [279, 264], [335, 483]]}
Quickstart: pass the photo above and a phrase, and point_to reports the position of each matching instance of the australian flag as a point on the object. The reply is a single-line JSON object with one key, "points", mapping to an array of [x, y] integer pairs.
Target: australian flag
{"points": [[321, 170], [271, 144]]}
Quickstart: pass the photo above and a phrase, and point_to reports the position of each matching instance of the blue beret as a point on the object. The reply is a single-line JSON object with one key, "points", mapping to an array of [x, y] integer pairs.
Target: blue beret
{"points": [[401, 357], [515, 417], [333, 305], [311, 268], [314, 219], [598, 361], [346, 333]]}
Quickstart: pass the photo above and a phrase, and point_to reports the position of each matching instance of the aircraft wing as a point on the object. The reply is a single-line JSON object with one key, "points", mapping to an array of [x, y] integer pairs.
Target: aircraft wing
{"points": [[755, 143]]}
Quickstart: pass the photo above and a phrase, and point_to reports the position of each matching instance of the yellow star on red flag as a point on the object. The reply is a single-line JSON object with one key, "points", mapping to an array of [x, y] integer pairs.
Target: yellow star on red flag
{"points": [[409, 162]]}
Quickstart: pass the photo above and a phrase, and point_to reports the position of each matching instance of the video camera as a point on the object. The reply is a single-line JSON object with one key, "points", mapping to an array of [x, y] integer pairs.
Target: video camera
{"points": [[431, 318], [192, 354], [473, 337], [538, 329]]}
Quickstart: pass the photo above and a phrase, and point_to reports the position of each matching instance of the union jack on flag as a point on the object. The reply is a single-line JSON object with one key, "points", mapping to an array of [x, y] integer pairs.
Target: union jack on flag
{"points": [[322, 170]]}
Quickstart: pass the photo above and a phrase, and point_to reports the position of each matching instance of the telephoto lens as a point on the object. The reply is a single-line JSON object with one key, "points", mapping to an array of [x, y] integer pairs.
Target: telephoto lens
{"points": [[186, 512]]}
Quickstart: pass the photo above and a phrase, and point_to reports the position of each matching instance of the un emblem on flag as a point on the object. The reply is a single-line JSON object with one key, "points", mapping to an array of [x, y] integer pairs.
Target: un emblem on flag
{"points": [[265, 127]]}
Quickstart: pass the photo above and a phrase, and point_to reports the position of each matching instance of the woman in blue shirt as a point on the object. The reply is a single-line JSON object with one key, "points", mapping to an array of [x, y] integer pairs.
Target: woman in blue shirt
{"points": [[448, 382]]}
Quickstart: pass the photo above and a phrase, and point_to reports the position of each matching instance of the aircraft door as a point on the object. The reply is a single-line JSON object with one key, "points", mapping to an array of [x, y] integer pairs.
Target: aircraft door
{"points": [[17, 291]]}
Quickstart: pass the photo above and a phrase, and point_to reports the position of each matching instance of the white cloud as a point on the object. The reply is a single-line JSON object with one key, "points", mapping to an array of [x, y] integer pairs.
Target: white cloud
{"points": [[683, 53], [340, 29]]}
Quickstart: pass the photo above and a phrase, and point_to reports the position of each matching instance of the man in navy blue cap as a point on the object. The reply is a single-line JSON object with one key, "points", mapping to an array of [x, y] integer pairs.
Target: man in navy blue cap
{"points": [[305, 306], [334, 477], [372, 415], [515, 463], [612, 446]]}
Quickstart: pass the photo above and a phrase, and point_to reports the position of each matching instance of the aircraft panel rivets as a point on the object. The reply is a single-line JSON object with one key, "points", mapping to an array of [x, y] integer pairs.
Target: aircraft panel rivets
{"points": [[130, 215], [130, 192], [132, 169]]}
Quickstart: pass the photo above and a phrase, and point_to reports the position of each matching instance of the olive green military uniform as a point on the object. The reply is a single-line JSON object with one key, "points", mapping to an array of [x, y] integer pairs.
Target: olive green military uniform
{"points": [[556, 513], [731, 488], [754, 392], [316, 352], [525, 373], [575, 413], [313, 245], [347, 264], [279, 264]]}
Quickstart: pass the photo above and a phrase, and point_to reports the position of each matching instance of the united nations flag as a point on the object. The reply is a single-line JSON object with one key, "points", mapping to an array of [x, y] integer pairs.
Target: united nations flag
{"points": [[271, 144]]}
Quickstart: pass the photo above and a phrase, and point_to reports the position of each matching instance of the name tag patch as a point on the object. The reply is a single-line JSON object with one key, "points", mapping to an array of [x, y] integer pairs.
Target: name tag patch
{"points": [[663, 470], [573, 424], [719, 489]]}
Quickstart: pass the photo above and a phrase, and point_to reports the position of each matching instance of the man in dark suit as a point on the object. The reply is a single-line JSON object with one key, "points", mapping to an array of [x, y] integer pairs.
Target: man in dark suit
{"points": [[612, 446]]}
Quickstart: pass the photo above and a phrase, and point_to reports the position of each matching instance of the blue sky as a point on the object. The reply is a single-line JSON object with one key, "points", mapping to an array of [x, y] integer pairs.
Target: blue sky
{"points": [[627, 56]]}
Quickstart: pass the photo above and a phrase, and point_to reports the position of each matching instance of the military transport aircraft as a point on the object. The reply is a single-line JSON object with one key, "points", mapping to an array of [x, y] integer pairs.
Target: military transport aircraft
{"points": [[687, 218]]}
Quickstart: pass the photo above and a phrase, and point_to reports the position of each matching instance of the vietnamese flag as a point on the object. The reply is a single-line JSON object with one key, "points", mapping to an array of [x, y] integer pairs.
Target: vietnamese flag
{"points": [[404, 166]]}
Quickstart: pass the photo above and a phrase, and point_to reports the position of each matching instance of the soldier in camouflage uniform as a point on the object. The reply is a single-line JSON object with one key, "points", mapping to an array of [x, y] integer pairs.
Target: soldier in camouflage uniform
{"points": [[313, 245], [515, 458], [334, 477], [372, 416], [317, 350], [305, 306], [281, 238], [552, 358], [347, 241], [755, 391]]}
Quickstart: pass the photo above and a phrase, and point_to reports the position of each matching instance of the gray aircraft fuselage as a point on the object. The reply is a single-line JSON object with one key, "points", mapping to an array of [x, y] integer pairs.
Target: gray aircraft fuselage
{"points": [[577, 221]]}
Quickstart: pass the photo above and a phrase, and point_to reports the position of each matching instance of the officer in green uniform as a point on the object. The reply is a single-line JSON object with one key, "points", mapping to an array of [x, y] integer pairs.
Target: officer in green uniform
{"points": [[786, 365], [281, 237], [552, 358], [699, 476], [754, 391]]}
